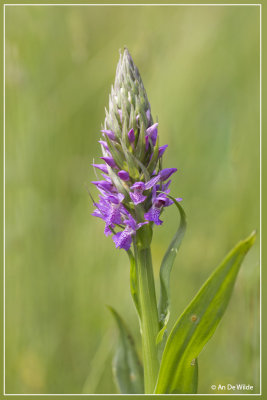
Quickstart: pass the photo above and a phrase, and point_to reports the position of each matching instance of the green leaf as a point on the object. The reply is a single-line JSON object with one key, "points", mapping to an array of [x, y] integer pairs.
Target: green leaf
{"points": [[127, 368], [165, 272], [198, 323], [116, 153], [141, 144], [130, 161], [133, 282]]}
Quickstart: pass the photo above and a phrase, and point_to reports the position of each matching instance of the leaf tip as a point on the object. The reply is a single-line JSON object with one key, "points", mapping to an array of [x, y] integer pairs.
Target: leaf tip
{"points": [[250, 240]]}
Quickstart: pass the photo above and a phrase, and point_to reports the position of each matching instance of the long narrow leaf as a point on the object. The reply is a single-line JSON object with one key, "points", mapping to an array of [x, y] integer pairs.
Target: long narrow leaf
{"points": [[198, 323], [127, 368], [165, 272], [133, 282]]}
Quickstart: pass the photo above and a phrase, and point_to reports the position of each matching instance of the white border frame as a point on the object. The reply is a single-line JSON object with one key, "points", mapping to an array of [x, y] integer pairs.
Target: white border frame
{"points": [[132, 5]]}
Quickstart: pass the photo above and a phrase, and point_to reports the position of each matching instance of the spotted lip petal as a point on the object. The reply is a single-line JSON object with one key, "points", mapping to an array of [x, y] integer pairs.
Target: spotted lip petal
{"points": [[137, 196]]}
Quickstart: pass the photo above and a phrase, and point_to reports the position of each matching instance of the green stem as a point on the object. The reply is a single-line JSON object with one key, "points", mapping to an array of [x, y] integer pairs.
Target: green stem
{"points": [[149, 315]]}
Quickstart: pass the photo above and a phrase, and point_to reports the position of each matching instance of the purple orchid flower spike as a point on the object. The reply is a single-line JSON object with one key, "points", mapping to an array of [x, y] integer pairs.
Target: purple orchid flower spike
{"points": [[134, 184]]}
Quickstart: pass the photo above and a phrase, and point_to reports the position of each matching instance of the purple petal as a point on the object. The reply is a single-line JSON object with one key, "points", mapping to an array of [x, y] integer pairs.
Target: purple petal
{"points": [[114, 216], [153, 216], [110, 161], [162, 150], [165, 186], [107, 178], [160, 202], [154, 193], [104, 144], [152, 182], [123, 239], [152, 132], [137, 198], [110, 134], [139, 186], [124, 175], [115, 199], [166, 173], [102, 167], [104, 185], [141, 224], [131, 135], [130, 221], [178, 199], [97, 213], [107, 230]]}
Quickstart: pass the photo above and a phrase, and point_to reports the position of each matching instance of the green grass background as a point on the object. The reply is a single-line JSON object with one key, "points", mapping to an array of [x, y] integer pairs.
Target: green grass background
{"points": [[200, 67]]}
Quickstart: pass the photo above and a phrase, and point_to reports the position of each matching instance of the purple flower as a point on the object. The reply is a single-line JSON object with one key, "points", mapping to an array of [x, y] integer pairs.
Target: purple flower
{"points": [[138, 187], [134, 183], [110, 210], [104, 144], [152, 133], [123, 239], [105, 185], [110, 134], [137, 196], [166, 173], [102, 210], [131, 136], [110, 161], [158, 203], [162, 150], [102, 167], [124, 175]]}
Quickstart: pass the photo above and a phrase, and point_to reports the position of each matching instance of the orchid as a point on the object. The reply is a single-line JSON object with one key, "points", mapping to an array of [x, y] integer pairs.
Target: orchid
{"points": [[134, 190]]}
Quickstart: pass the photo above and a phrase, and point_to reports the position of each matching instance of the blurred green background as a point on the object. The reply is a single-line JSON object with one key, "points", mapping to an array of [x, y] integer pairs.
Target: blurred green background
{"points": [[200, 67]]}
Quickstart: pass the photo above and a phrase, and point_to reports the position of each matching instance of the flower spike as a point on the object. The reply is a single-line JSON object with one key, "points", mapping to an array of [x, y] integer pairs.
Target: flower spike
{"points": [[133, 191]]}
